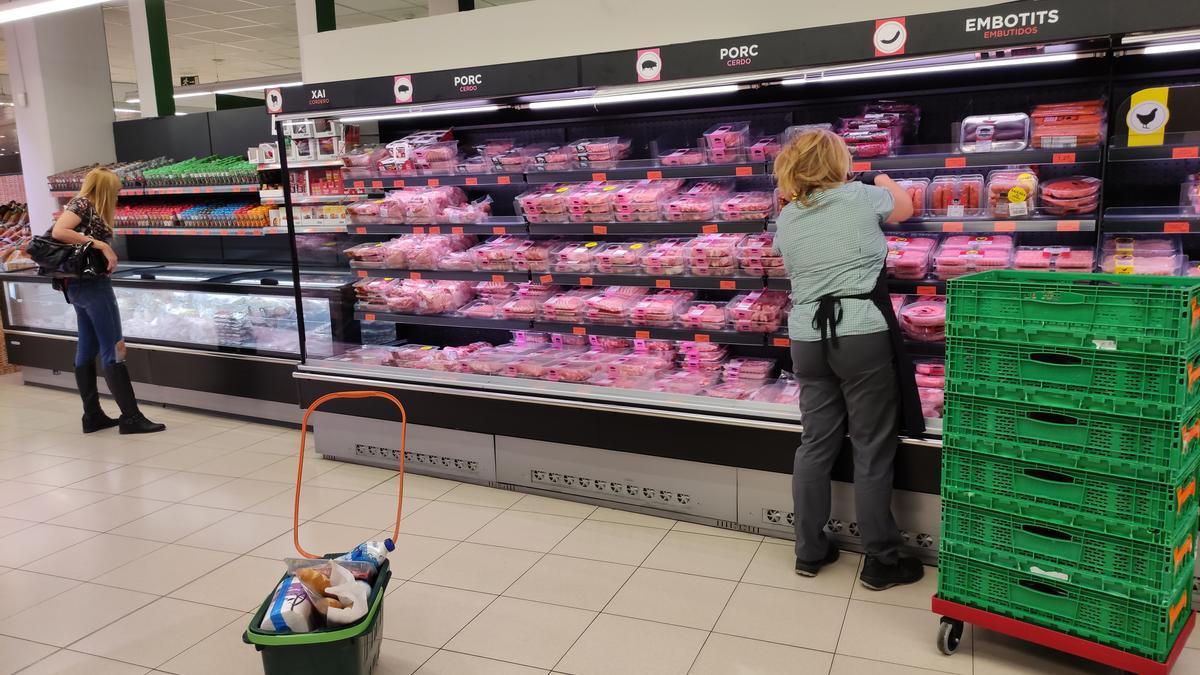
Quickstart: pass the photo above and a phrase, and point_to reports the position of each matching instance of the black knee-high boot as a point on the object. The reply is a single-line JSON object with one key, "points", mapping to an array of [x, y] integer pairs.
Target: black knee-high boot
{"points": [[94, 418], [132, 419]]}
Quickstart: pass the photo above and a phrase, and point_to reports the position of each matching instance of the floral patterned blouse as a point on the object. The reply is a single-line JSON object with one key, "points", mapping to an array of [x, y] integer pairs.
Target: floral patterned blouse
{"points": [[91, 224]]}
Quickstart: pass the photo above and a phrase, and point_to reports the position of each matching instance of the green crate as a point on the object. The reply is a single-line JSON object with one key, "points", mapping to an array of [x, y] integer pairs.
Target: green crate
{"points": [[987, 580], [1146, 449], [351, 650], [1156, 315], [1085, 558], [1129, 505], [1142, 385]]}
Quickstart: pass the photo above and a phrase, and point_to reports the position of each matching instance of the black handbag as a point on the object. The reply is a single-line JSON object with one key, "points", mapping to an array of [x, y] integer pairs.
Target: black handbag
{"points": [[66, 261]]}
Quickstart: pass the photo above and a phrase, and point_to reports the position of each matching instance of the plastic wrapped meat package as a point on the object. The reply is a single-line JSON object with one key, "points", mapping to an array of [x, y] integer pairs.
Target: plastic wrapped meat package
{"points": [[757, 311], [955, 196], [613, 304], [424, 206], [1189, 193], [765, 149], [377, 255], [486, 308], [631, 371], [999, 132], [460, 261], [372, 294], [1011, 192], [593, 202], [790, 133], [1154, 256], [545, 204], [1072, 195], [964, 254], [665, 257], [415, 296], [681, 157], [756, 255], [1192, 269], [714, 255], [465, 214], [620, 257], [494, 361], [758, 205], [581, 367], [642, 202], [1068, 125], [909, 257], [601, 152], [727, 142], [496, 255], [923, 319], [553, 158], [609, 343], [439, 157], [1054, 259], [537, 365], [660, 309], [376, 211], [416, 252], [568, 307], [783, 391], [682, 382], [534, 255], [916, 188], [735, 390], [494, 290], [699, 201], [577, 257], [745, 368], [703, 315]]}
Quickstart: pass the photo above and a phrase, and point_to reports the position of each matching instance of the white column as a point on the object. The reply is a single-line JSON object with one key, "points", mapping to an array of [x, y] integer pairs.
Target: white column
{"points": [[63, 95], [306, 23], [142, 60], [442, 7]]}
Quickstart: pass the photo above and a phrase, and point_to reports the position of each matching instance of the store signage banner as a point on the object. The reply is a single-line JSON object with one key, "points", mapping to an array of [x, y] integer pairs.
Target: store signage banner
{"points": [[1147, 116]]}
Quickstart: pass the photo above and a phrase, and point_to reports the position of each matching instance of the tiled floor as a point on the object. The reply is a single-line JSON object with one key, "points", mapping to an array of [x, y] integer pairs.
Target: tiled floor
{"points": [[126, 555]]}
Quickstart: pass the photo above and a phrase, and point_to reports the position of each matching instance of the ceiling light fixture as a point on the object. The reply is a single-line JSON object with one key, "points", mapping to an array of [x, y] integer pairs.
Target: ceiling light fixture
{"points": [[132, 111], [422, 113], [1173, 48], [259, 87], [133, 100], [193, 94], [660, 95], [934, 68], [179, 114], [17, 11]]}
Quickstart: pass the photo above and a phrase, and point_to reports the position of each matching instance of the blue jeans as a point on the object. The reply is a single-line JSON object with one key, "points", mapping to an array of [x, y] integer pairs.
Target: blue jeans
{"points": [[99, 322]]}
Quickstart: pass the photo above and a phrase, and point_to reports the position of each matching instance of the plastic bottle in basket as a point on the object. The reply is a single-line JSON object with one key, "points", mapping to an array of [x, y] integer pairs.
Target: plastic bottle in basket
{"points": [[374, 552]]}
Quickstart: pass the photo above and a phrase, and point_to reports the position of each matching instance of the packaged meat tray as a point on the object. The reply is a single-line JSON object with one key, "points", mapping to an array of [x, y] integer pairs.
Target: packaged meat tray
{"points": [[909, 257], [681, 157], [579, 368], [703, 316], [714, 255], [1192, 269], [578, 257], [460, 261], [467, 214], [520, 308], [916, 189], [593, 203], [1159, 266], [932, 402], [536, 366], [757, 311], [956, 196], [620, 257], [1189, 194], [377, 255], [1068, 125], [683, 382], [924, 319], [1000, 132], [609, 343], [790, 133], [756, 255], [1072, 195], [613, 304], [1011, 193], [665, 257], [784, 391], [660, 309], [961, 255], [494, 290], [1054, 259], [865, 144], [629, 366], [553, 158], [744, 368], [1141, 246], [643, 201], [736, 390], [601, 152], [496, 255], [765, 149], [698, 202], [533, 255], [417, 296], [569, 307], [440, 156], [727, 142], [747, 206], [545, 204], [488, 308], [930, 373]]}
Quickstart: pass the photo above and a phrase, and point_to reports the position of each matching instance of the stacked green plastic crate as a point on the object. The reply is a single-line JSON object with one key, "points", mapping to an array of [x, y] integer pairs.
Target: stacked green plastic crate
{"points": [[1071, 447]]}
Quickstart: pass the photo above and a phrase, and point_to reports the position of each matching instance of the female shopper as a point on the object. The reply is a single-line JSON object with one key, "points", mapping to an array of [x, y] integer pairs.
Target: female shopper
{"points": [[847, 352], [89, 217]]}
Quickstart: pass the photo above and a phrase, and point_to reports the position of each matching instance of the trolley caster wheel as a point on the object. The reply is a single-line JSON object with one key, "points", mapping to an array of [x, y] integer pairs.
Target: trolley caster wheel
{"points": [[949, 634]]}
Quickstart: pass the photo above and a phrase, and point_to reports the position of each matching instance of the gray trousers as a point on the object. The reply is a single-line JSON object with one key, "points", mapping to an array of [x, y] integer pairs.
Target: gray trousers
{"points": [[851, 387]]}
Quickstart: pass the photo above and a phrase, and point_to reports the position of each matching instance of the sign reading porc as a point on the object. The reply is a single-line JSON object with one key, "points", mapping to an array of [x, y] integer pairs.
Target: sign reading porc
{"points": [[649, 65], [890, 37], [402, 87]]}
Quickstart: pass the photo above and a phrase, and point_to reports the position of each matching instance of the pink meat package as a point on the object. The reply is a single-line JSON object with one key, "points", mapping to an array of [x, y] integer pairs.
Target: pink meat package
{"points": [[924, 320], [660, 309], [714, 255], [757, 311], [757, 255], [965, 254], [909, 257], [1054, 258]]}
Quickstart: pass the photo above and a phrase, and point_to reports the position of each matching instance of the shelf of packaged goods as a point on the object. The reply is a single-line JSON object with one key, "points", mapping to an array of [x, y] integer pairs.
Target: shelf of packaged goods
{"points": [[982, 225], [182, 190], [376, 184], [956, 160], [934, 349], [724, 337], [302, 200], [639, 169], [442, 275], [1184, 147], [1167, 219], [898, 286], [745, 283], [449, 321], [493, 226], [194, 231], [671, 228], [303, 164]]}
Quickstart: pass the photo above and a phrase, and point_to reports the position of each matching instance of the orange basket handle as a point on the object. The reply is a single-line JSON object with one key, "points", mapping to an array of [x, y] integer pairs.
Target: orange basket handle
{"points": [[300, 467]]}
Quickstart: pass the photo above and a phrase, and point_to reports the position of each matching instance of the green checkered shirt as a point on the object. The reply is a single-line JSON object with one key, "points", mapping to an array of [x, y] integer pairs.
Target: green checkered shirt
{"points": [[834, 246]]}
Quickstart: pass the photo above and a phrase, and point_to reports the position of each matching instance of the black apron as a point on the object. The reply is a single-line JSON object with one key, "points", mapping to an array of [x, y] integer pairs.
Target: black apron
{"points": [[829, 315]]}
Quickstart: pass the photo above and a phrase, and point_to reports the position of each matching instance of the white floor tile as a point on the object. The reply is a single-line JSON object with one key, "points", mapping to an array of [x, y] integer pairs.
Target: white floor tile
{"points": [[531, 531], [414, 553], [163, 570], [684, 526], [64, 474], [704, 555], [415, 485], [905, 635], [449, 520], [50, 505], [27, 464], [369, 510], [222, 652], [15, 491], [313, 501], [671, 597], [16, 654], [852, 665], [519, 631], [67, 617], [239, 533], [176, 487], [121, 479], [37, 541], [350, 477], [237, 494], [401, 658], [235, 464], [110, 513], [610, 542], [789, 617], [317, 539], [430, 615], [186, 458], [453, 663], [775, 565], [68, 662], [90, 558], [725, 654], [475, 567], [616, 644], [10, 525], [631, 518], [157, 632], [554, 507], [241, 584], [479, 495], [574, 582], [22, 590], [173, 522]]}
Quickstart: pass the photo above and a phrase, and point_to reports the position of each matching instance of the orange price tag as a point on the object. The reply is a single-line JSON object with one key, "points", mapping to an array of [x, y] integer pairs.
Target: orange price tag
{"points": [[1176, 226], [472, 180], [499, 229], [727, 285], [662, 283], [360, 230], [503, 180], [579, 330], [780, 342], [433, 182], [418, 229], [641, 334], [1063, 158], [599, 176], [377, 184], [599, 229], [860, 166], [358, 185], [701, 337], [1190, 152], [414, 275], [955, 226], [711, 228], [362, 274], [397, 182], [926, 290], [955, 162], [546, 279], [456, 230], [435, 230], [208, 189], [368, 317], [1005, 226], [1067, 226], [585, 281], [744, 171], [498, 278], [653, 175]]}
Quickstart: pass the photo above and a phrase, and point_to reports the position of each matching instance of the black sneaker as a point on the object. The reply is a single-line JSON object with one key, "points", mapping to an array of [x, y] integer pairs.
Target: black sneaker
{"points": [[877, 576], [809, 568]]}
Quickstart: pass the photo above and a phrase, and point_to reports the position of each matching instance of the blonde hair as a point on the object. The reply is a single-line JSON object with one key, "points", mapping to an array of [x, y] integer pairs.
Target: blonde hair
{"points": [[814, 160], [100, 187]]}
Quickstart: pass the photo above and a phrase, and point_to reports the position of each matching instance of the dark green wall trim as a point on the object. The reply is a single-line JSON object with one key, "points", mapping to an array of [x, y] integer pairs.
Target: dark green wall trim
{"points": [[466, 5], [160, 58], [229, 102], [326, 16]]}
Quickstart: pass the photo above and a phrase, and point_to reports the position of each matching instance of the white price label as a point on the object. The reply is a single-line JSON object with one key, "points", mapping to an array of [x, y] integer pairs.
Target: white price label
{"points": [[1018, 209], [955, 211]]}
